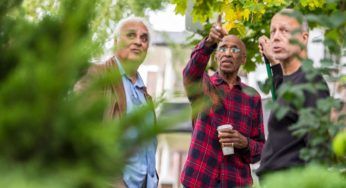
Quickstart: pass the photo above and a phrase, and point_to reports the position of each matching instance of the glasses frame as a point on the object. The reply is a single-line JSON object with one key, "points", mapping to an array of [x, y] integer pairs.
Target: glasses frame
{"points": [[233, 49]]}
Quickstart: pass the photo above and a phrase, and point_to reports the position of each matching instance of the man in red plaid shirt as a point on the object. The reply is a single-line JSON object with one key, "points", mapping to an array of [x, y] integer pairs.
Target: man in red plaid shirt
{"points": [[226, 100]]}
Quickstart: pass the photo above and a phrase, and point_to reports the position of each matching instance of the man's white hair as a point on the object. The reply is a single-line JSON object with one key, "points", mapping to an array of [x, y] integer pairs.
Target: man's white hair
{"points": [[110, 45], [122, 22]]}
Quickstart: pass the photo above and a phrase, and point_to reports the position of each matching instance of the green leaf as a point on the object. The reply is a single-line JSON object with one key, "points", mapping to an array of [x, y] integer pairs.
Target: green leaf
{"points": [[318, 141], [326, 62], [325, 105], [249, 66], [266, 86], [305, 154], [299, 132], [309, 87], [250, 91], [338, 18], [339, 144], [180, 6], [342, 79], [281, 112]]}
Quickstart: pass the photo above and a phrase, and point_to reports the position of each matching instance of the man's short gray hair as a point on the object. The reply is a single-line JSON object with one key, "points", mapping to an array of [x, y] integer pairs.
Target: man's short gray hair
{"points": [[296, 15], [122, 22]]}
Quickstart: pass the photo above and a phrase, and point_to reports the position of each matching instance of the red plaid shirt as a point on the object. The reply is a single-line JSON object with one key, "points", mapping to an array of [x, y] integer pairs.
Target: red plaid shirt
{"points": [[205, 165]]}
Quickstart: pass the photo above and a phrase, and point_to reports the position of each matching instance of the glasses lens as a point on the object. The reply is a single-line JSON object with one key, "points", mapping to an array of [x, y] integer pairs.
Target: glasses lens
{"points": [[233, 49]]}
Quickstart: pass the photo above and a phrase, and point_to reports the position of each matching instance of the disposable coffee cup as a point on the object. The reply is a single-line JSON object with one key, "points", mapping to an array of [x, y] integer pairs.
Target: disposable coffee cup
{"points": [[226, 150]]}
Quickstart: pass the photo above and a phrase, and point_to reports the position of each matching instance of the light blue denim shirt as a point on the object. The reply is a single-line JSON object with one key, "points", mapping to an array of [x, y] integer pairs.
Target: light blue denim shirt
{"points": [[141, 165]]}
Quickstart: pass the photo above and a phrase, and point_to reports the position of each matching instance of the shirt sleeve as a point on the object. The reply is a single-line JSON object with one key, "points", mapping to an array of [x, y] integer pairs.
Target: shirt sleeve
{"points": [[194, 74], [277, 75], [86, 81], [194, 71], [252, 153]]}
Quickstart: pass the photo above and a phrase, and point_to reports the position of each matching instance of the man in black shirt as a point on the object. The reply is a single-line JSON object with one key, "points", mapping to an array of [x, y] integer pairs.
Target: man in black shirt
{"points": [[281, 150]]}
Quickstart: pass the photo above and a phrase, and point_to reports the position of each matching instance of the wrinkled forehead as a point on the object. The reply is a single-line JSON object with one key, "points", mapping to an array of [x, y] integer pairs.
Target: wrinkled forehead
{"points": [[134, 26], [284, 20], [230, 40]]}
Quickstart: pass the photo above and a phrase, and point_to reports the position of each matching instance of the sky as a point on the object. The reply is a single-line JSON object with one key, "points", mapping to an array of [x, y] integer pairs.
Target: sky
{"points": [[166, 20]]}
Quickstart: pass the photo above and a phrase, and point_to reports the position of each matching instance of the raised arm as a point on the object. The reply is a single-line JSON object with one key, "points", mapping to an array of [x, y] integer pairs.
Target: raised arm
{"points": [[265, 50], [194, 71]]}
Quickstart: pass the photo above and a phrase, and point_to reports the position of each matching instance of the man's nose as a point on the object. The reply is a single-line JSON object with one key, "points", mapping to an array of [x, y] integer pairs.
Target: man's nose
{"points": [[138, 41], [276, 36], [228, 52]]}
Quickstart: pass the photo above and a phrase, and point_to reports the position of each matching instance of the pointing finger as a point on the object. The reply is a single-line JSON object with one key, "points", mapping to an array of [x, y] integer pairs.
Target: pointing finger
{"points": [[219, 20]]}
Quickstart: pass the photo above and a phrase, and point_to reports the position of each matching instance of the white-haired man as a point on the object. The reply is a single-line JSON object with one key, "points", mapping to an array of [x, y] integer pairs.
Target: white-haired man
{"points": [[127, 94], [281, 150]]}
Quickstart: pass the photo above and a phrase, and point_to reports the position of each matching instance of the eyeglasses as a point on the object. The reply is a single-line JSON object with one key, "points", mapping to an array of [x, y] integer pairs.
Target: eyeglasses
{"points": [[234, 50]]}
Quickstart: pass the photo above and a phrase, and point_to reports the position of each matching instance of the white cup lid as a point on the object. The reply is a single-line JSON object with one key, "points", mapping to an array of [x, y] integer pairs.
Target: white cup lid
{"points": [[225, 126]]}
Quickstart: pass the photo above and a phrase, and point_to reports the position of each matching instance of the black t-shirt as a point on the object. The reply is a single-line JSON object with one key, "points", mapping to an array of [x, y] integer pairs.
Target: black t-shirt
{"points": [[281, 149]]}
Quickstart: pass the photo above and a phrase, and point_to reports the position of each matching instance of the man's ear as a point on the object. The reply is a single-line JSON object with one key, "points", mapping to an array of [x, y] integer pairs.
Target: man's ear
{"points": [[243, 59], [306, 37]]}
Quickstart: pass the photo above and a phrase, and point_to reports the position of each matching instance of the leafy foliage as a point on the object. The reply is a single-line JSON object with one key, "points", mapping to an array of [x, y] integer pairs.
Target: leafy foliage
{"points": [[251, 18], [313, 176], [339, 144], [49, 135]]}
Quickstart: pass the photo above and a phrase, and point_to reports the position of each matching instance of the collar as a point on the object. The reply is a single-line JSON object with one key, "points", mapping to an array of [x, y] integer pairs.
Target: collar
{"points": [[298, 71], [120, 66], [139, 81], [218, 80]]}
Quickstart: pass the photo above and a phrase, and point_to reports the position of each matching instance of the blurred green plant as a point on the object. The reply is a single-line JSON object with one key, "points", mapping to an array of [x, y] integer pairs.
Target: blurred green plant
{"points": [[49, 135], [339, 144], [312, 176]]}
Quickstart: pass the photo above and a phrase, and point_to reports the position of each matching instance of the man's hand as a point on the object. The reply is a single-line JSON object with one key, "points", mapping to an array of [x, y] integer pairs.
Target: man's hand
{"points": [[216, 33], [265, 49], [232, 138]]}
